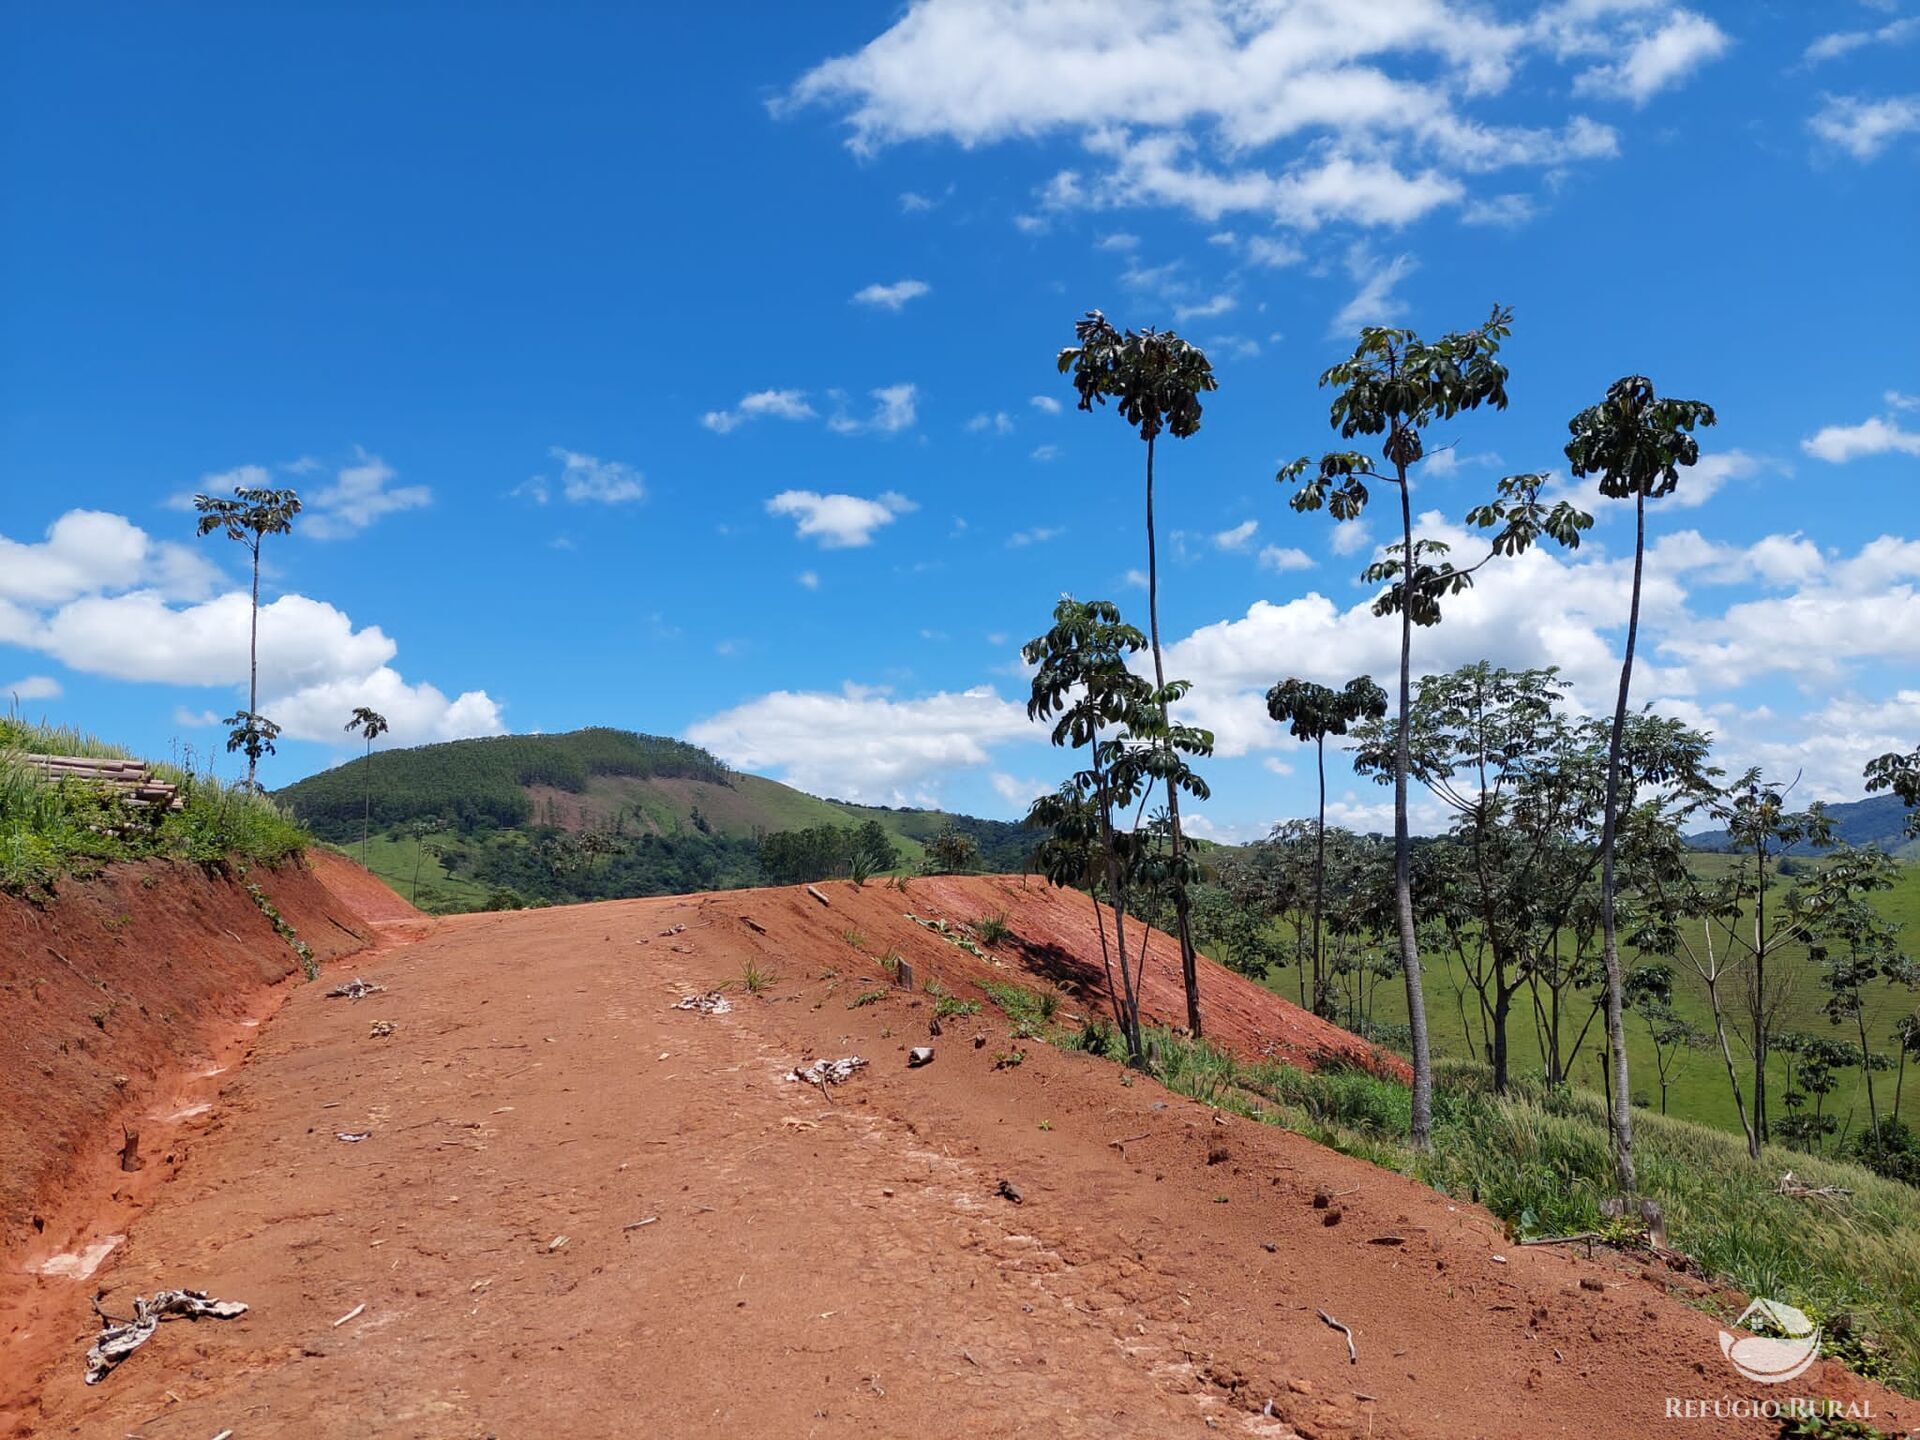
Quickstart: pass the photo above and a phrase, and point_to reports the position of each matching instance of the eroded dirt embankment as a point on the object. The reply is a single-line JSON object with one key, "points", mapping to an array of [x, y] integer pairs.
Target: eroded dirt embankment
{"points": [[112, 995], [569, 1207]]}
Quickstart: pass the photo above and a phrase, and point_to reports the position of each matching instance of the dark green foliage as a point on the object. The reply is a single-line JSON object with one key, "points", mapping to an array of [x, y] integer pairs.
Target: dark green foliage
{"points": [[794, 857], [480, 783], [952, 852]]}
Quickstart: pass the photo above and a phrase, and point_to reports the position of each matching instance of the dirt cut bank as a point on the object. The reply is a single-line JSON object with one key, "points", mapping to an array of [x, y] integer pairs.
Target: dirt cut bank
{"points": [[569, 1206], [112, 993]]}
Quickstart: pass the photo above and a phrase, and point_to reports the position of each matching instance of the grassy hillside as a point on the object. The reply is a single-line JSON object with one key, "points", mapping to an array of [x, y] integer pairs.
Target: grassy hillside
{"points": [[49, 829], [590, 814]]}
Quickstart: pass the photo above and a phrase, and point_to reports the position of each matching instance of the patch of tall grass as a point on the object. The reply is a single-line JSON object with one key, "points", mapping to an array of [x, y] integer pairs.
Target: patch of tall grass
{"points": [[1538, 1159], [52, 828]]}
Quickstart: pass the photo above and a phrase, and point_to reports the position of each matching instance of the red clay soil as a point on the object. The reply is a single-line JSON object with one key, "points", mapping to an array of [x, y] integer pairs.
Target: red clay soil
{"points": [[581, 1211]]}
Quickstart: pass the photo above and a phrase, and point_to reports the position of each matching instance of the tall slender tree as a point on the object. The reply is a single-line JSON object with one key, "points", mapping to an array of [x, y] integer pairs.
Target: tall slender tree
{"points": [[1082, 682], [1313, 711], [371, 724], [1155, 380], [1395, 385], [1636, 443], [249, 516]]}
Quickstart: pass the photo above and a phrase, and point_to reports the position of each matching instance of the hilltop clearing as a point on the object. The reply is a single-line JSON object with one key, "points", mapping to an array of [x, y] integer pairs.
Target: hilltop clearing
{"points": [[581, 1208]]}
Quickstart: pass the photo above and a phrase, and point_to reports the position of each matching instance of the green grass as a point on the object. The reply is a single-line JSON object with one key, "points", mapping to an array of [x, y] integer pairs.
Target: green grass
{"points": [[1029, 1010], [1539, 1160], [393, 857], [1698, 1088], [51, 829]]}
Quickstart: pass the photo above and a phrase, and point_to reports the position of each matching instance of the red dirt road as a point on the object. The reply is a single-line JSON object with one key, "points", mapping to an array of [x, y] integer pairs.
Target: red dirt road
{"points": [[811, 1263]]}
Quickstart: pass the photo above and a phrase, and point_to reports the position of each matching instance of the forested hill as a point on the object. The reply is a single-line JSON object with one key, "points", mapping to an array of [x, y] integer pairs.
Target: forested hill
{"points": [[1879, 821], [601, 814]]}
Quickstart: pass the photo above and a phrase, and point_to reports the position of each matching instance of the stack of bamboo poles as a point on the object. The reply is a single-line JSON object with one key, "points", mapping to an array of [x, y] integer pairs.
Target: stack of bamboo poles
{"points": [[133, 780]]}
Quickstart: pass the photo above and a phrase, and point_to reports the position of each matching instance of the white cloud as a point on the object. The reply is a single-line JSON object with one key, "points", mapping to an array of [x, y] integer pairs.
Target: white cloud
{"points": [[589, 478], [109, 613], [32, 687], [1351, 537], [839, 522], [1284, 557], [1017, 792], [773, 404], [1274, 254], [358, 496], [891, 297], [863, 744], [1374, 303], [1657, 60], [1299, 110], [1864, 127], [1205, 309], [1505, 211], [84, 550], [1880, 435], [999, 422], [1237, 538], [894, 409], [1833, 46]]}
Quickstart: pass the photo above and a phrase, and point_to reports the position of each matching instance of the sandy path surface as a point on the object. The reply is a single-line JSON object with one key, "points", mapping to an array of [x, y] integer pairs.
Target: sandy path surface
{"points": [[813, 1263]]}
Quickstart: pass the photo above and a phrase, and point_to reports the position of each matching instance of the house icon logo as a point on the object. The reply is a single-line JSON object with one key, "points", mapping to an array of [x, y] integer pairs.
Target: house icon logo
{"points": [[1791, 1344]]}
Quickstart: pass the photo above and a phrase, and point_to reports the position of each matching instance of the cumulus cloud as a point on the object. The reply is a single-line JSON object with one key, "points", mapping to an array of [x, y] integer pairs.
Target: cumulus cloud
{"points": [[891, 297], [102, 598], [1300, 111], [359, 495], [863, 744], [1879, 435], [839, 522], [895, 407], [1844, 42], [1863, 126], [1284, 557], [1658, 59], [586, 478], [1239, 537], [776, 404], [32, 687]]}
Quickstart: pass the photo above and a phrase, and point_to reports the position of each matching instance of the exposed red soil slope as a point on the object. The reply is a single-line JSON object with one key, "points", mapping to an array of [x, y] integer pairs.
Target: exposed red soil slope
{"points": [[583, 1212], [1051, 938], [110, 988]]}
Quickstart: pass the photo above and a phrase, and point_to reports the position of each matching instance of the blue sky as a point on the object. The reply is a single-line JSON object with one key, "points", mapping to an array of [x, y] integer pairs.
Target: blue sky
{"points": [[692, 372]]}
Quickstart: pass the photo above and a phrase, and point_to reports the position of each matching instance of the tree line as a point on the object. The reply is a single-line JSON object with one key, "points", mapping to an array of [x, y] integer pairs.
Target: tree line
{"points": [[1565, 845]]}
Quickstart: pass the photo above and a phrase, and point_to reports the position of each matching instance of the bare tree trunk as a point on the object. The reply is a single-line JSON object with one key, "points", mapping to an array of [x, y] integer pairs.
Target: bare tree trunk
{"points": [[1189, 967], [1422, 1129], [253, 667], [1320, 882], [1622, 1096], [1711, 976], [1759, 1005]]}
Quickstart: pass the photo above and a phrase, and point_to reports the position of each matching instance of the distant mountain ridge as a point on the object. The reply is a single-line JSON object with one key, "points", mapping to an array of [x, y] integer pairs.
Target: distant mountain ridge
{"points": [[522, 815], [1877, 822]]}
